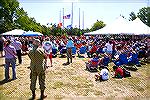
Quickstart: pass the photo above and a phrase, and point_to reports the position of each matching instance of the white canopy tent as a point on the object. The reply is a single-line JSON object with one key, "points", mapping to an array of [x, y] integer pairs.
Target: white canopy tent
{"points": [[14, 32], [122, 26], [117, 27], [138, 27]]}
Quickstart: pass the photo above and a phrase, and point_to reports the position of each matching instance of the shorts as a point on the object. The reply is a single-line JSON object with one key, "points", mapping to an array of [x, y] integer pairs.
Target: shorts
{"points": [[49, 55]]}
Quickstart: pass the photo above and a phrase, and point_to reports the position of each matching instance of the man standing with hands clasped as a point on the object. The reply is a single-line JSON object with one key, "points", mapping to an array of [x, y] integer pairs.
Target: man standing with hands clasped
{"points": [[37, 67], [69, 47]]}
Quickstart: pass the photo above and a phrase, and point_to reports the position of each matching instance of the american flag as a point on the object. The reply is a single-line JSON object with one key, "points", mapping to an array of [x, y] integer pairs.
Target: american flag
{"points": [[67, 16]]}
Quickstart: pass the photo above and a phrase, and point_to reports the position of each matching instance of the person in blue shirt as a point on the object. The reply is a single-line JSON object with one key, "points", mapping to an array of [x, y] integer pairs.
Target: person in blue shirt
{"points": [[69, 46], [104, 60], [122, 59], [133, 59]]}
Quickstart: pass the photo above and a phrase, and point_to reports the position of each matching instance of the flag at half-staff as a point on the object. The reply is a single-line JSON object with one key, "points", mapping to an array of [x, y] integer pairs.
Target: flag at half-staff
{"points": [[67, 16]]}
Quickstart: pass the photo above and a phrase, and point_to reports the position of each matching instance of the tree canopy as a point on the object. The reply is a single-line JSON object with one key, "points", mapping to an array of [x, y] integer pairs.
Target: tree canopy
{"points": [[143, 14], [97, 25]]}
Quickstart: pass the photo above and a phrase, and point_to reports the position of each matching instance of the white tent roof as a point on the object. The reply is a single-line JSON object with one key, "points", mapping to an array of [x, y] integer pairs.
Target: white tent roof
{"points": [[122, 26], [117, 27], [14, 32], [138, 27]]}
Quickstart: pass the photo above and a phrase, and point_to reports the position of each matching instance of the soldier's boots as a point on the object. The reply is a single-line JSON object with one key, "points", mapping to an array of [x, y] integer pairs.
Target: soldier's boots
{"points": [[33, 95], [42, 95]]}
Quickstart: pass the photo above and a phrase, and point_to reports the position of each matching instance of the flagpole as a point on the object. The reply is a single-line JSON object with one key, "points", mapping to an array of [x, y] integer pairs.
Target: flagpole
{"points": [[83, 21], [72, 16], [63, 18], [79, 21], [60, 17], [79, 18]]}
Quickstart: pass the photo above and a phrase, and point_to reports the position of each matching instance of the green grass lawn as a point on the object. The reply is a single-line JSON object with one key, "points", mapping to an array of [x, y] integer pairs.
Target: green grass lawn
{"points": [[74, 82]]}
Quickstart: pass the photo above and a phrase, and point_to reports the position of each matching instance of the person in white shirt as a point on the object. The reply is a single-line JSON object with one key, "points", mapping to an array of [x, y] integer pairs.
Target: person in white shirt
{"points": [[109, 46], [103, 75], [47, 46]]}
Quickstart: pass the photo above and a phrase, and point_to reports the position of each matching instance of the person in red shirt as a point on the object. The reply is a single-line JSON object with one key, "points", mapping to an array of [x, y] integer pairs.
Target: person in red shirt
{"points": [[118, 72], [92, 51]]}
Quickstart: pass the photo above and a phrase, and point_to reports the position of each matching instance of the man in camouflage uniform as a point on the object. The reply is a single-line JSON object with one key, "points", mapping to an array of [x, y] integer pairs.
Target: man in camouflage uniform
{"points": [[37, 67]]}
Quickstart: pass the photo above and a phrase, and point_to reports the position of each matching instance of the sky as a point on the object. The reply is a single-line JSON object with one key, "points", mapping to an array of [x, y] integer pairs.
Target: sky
{"points": [[51, 11]]}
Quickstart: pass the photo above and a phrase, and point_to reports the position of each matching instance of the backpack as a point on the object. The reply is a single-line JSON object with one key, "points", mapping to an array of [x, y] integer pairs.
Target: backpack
{"points": [[126, 73]]}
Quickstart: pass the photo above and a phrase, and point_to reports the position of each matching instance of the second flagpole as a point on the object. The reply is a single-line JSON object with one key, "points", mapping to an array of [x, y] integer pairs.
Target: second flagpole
{"points": [[72, 16], [63, 18]]}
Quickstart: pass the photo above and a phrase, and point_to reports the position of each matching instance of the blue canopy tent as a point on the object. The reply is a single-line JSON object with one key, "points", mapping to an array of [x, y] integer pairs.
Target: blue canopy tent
{"points": [[31, 33]]}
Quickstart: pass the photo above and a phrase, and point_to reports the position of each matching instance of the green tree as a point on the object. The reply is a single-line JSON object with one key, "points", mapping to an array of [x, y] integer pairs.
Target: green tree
{"points": [[97, 25], [8, 14], [144, 15], [86, 30], [11, 17], [45, 30], [132, 16]]}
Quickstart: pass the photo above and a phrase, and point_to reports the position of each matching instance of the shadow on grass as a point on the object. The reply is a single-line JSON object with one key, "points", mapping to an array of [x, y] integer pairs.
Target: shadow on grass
{"points": [[91, 71], [65, 64], [62, 56], [2, 65], [81, 56], [5, 81]]}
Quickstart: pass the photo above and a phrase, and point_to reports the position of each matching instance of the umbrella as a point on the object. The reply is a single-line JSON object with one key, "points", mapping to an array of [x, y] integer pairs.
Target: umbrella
{"points": [[31, 33]]}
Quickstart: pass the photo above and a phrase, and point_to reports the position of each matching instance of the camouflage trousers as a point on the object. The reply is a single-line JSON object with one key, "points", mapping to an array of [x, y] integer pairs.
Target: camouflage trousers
{"points": [[41, 77]]}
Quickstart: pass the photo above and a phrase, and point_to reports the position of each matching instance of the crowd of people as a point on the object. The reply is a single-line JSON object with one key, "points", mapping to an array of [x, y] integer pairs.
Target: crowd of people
{"points": [[122, 52]]}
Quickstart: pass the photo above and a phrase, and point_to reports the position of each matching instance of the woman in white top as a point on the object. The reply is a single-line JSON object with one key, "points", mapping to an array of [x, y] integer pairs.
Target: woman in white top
{"points": [[47, 46]]}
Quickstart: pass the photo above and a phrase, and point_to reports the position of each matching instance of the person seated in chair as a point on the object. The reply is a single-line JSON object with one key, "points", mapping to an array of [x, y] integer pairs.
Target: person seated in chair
{"points": [[92, 50], [93, 63], [133, 59], [104, 61], [82, 50], [103, 75], [142, 53], [118, 72], [121, 59]]}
